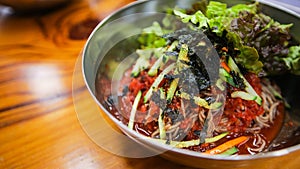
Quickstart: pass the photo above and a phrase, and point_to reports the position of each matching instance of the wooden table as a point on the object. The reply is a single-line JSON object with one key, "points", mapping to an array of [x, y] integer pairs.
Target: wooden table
{"points": [[39, 127], [43, 100]]}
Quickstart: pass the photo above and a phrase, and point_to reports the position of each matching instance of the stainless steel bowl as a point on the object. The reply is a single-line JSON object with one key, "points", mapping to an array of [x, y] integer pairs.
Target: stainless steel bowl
{"points": [[103, 40]]}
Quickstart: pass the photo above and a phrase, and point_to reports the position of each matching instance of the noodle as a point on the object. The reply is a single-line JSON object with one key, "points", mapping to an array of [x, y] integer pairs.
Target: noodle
{"points": [[259, 143], [182, 102], [269, 104], [185, 120]]}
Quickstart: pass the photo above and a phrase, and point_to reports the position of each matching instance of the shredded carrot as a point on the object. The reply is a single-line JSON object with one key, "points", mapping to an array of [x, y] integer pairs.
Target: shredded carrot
{"points": [[227, 145], [225, 66]]}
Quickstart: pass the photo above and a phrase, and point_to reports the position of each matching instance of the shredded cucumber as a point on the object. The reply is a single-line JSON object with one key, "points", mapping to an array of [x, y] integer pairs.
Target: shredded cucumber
{"points": [[201, 102], [172, 89], [161, 124], [157, 81], [248, 87], [162, 58], [216, 138], [195, 142], [243, 95], [133, 109], [230, 151]]}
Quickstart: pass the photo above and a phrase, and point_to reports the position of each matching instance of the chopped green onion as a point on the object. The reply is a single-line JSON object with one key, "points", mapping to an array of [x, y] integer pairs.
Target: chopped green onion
{"points": [[133, 109]]}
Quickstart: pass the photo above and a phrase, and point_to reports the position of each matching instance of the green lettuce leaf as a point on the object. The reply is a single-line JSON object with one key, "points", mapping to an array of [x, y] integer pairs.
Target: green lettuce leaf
{"points": [[151, 37], [293, 59], [197, 18], [248, 57], [217, 16], [263, 42], [216, 9]]}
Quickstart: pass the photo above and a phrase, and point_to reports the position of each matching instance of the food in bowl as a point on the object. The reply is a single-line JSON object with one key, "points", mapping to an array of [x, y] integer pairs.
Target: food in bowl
{"points": [[204, 83]]}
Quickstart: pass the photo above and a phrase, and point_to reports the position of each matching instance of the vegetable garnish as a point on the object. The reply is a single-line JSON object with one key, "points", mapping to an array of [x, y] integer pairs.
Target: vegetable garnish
{"points": [[245, 28], [161, 125], [230, 151], [225, 67], [202, 81], [142, 62], [157, 81], [183, 144], [134, 109], [216, 138], [227, 145], [251, 92]]}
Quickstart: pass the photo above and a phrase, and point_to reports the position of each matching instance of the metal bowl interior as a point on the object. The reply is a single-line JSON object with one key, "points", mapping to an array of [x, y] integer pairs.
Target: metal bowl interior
{"points": [[106, 44]]}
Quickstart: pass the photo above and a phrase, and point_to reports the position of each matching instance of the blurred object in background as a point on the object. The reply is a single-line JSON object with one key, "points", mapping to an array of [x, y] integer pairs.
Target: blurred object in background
{"points": [[28, 6]]}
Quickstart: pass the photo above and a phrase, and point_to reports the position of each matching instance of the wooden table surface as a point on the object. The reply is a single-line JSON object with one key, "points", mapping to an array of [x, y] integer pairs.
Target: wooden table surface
{"points": [[39, 126], [44, 104]]}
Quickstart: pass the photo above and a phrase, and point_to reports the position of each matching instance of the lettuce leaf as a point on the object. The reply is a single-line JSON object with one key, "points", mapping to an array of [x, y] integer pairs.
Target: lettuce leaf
{"points": [[220, 16], [248, 57], [197, 18], [151, 37], [293, 59], [264, 44], [217, 16], [270, 38]]}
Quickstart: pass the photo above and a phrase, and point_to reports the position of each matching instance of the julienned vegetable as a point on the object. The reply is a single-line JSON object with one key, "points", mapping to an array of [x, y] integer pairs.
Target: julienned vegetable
{"points": [[202, 86], [157, 81], [230, 151], [248, 87], [161, 125], [183, 144], [134, 109], [227, 145]]}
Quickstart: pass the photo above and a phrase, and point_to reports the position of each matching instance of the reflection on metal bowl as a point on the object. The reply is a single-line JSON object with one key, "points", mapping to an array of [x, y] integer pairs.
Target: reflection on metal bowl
{"points": [[104, 38]]}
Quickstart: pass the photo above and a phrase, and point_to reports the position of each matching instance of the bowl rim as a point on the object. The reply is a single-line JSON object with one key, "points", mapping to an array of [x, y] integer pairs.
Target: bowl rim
{"points": [[134, 135]]}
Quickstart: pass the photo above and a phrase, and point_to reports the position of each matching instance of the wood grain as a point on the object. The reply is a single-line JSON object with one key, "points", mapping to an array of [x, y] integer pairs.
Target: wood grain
{"points": [[38, 123]]}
